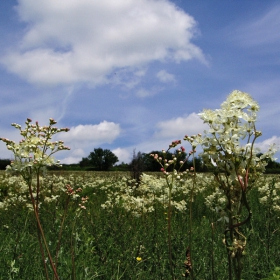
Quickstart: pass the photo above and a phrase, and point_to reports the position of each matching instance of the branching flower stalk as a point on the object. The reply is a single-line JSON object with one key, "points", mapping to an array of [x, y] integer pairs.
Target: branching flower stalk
{"points": [[194, 140], [229, 152], [171, 177], [31, 157]]}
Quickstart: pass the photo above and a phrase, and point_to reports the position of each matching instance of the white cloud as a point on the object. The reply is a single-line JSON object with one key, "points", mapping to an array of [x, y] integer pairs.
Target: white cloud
{"points": [[78, 152], [123, 155], [85, 41], [264, 145], [165, 77], [179, 127], [70, 160], [142, 92], [82, 136]]}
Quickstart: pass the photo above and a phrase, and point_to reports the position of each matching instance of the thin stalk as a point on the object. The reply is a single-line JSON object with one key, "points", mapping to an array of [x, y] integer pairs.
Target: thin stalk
{"points": [[190, 216], [41, 233], [212, 253], [61, 229], [231, 238], [73, 244], [169, 230]]}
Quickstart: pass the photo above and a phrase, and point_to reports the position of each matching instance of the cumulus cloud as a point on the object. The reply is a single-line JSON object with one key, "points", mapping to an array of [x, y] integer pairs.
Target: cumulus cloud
{"points": [[179, 127], [69, 160], [264, 145], [83, 138], [85, 41], [105, 132], [165, 77], [123, 155]]}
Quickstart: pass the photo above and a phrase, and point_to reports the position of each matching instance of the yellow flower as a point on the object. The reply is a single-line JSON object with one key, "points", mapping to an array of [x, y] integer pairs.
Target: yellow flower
{"points": [[139, 259]]}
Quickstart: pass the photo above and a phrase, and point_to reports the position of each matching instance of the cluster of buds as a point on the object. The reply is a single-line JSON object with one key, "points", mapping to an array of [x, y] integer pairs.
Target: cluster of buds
{"points": [[174, 144], [194, 140], [164, 162], [84, 200], [71, 191], [237, 246]]}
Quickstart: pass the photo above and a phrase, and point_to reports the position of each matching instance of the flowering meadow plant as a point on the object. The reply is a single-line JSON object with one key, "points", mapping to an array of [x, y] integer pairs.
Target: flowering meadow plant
{"points": [[229, 150], [35, 151], [228, 144], [32, 155]]}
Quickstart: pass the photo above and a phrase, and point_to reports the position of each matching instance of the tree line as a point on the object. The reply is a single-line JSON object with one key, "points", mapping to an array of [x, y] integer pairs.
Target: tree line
{"points": [[105, 160]]}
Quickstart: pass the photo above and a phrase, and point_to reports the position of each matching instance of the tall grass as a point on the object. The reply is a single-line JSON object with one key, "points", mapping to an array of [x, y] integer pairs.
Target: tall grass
{"points": [[113, 243]]}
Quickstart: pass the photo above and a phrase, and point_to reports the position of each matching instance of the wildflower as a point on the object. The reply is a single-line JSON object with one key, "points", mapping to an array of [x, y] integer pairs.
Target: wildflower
{"points": [[139, 259]]}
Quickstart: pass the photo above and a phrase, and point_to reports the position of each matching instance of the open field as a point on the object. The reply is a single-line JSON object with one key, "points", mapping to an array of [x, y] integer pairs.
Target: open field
{"points": [[120, 230]]}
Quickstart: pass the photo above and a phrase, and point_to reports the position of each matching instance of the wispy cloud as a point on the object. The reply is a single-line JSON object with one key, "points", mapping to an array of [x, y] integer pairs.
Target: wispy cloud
{"points": [[142, 92], [256, 31], [165, 77]]}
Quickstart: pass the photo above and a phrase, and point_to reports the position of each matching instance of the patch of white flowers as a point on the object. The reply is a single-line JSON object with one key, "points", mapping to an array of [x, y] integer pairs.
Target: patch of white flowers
{"points": [[270, 193], [142, 198], [53, 186]]}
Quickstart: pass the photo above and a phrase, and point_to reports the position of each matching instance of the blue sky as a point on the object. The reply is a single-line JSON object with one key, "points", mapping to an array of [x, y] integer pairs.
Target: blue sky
{"points": [[134, 74]]}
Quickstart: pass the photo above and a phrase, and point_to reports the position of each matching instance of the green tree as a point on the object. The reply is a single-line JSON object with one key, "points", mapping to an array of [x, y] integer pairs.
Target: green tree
{"points": [[4, 163], [99, 160], [150, 164]]}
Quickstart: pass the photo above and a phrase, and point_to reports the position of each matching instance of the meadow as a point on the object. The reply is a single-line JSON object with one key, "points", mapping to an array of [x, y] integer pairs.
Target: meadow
{"points": [[108, 226], [167, 225]]}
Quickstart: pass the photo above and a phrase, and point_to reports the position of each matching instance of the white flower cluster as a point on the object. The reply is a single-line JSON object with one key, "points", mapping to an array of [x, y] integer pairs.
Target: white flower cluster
{"points": [[228, 145], [35, 150], [270, 193], [216, 201], [141, 198]]}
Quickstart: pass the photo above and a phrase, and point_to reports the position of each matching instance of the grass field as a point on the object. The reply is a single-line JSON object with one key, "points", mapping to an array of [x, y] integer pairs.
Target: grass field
{"points": [[119, 230]]}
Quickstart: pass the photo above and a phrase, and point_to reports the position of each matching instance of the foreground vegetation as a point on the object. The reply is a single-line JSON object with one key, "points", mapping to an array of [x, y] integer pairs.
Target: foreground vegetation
{"points": [[126, 240]]}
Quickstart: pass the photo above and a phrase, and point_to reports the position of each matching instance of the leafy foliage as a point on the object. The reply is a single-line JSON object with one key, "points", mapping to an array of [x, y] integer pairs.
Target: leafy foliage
{"points": [[99, 160], [4, 163], [274, 275]]}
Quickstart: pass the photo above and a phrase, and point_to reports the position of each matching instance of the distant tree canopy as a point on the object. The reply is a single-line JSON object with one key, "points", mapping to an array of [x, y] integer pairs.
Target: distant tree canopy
{"points": [[272, 167], [4, 163], [150, 164], [99, 160]]}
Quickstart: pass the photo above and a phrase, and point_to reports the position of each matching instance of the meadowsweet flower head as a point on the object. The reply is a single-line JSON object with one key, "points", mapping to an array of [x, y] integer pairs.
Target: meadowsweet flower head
{"points": [[36, 149]]}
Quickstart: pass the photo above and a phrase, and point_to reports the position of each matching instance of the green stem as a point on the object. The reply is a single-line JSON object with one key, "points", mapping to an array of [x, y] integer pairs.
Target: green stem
{"points": [[41, 233], [212, 252], [169, 234], [61, 229]]}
